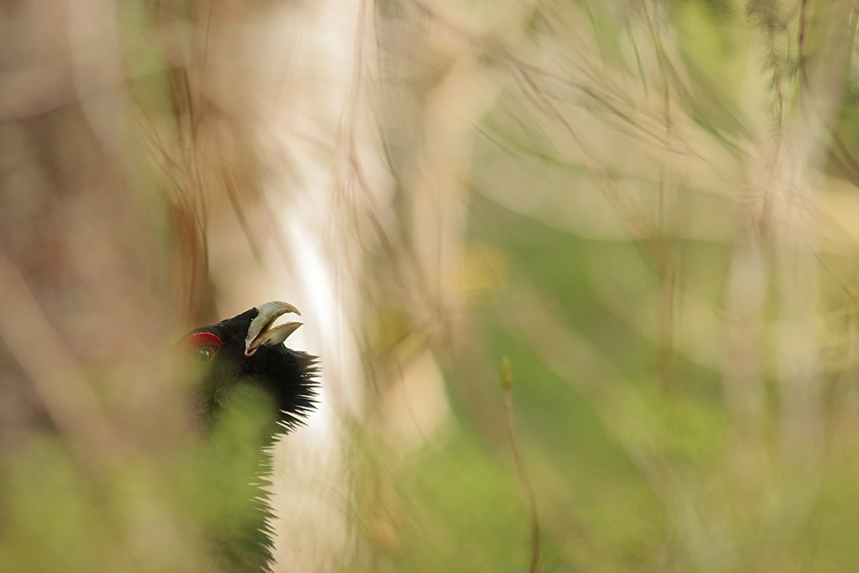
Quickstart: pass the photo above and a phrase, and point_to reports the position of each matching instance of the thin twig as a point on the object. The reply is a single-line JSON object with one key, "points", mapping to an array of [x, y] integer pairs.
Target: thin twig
{"points": [[507, 386]]}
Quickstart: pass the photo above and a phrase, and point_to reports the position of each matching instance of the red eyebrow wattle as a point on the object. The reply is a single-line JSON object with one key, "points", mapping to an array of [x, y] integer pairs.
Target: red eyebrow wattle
{"points": [[203, 339]]}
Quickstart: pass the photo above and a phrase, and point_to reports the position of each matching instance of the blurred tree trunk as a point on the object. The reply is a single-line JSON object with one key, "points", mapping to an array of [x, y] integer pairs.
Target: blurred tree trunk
{"points": [[81, 239], [86, 306]]}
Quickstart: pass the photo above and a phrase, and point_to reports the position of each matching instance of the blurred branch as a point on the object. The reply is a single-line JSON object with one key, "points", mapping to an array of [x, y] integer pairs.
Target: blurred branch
{"points": [[52, 369]]}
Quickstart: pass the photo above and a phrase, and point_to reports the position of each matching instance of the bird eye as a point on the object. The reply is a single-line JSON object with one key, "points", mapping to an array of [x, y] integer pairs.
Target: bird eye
{"points": [[205, 354], [204, 346]]}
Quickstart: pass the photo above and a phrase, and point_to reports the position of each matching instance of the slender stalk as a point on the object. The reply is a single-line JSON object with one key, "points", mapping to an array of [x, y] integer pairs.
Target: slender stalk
{"points": [[507, 387]]}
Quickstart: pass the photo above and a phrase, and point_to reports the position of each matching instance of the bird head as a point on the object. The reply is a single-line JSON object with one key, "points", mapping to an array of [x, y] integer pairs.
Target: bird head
{"points": [[249, 388], [247, 353]]}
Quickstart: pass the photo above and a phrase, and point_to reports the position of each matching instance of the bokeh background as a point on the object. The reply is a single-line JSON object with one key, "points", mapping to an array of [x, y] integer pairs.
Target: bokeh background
{"points": [[582, 276]]}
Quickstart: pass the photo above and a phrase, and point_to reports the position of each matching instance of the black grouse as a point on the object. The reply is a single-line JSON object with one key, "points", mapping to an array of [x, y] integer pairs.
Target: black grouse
{"points": [[251, 389]]}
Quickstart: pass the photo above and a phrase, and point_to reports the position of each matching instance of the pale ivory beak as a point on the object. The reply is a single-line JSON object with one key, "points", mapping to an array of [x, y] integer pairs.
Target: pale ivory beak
{"points": [[261, 333]]}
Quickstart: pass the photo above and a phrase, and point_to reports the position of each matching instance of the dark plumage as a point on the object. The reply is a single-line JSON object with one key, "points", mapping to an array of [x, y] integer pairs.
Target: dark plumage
{"points": [[251, 389]]}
